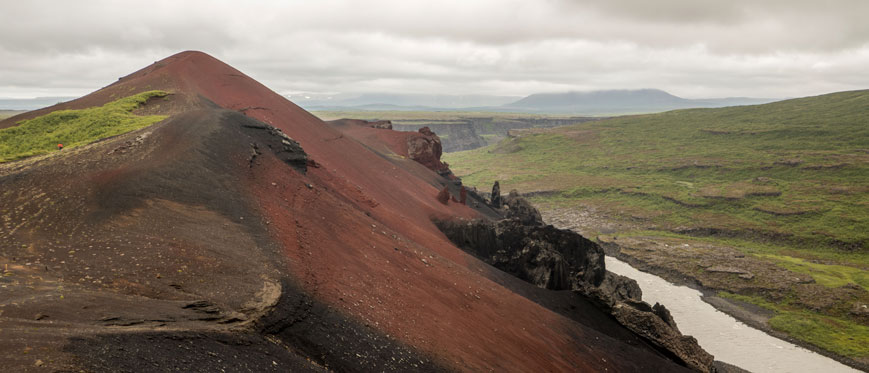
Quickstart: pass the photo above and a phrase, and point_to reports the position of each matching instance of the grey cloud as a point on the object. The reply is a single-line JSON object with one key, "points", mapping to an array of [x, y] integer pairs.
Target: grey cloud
{"points": [[516, 47]]}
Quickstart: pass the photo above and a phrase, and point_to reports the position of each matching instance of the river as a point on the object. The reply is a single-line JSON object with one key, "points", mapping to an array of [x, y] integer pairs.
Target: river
{"points": [[728, 339]]}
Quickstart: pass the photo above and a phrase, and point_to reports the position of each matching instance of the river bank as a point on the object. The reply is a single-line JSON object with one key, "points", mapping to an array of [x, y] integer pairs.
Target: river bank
{"points": [[701, 266], [721, 334], [750, 314]]}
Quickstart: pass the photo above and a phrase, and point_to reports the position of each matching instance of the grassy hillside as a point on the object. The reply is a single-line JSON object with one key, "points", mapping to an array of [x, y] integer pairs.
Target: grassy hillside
{"points": [[74, 127], [786, 182], [795, 171]]}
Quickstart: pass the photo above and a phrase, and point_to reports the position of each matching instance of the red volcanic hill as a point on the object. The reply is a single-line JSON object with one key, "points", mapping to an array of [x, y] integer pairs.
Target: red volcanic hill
{"points": [[242, 233]]}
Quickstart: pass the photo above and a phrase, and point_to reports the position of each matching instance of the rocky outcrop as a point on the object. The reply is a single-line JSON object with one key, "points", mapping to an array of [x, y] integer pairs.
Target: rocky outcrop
{"points": [[557, 259], [425, 148], [545, 256], [649, 325], [284, 147], [614, 289], [496, 195], [382, 124], [519, 208]]}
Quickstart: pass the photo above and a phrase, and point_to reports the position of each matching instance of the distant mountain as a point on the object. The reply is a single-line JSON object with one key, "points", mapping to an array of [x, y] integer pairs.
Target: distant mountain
{"points": [[587, 103], [399, 101], [621, 102], [30, 103]]}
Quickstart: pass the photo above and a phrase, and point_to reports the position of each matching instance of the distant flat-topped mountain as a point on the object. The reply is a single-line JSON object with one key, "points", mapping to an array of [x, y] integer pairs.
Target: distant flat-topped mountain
{"points": [[621, 102], [607, 102]]}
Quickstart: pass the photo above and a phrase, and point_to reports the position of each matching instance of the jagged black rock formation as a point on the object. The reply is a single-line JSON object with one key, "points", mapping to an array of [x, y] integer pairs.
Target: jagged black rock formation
{"points": [[545, 256], [283, 146], [496, 195], [556, 259]]}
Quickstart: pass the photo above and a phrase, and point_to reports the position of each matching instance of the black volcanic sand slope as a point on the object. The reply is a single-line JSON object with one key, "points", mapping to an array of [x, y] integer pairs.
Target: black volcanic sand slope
{"points": [[298, 334], [185, 352]]}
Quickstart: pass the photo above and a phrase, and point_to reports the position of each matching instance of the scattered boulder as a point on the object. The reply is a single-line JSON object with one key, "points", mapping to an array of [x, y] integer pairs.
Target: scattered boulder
{"points": [[425, 148], [860, 311], [444, 196]]}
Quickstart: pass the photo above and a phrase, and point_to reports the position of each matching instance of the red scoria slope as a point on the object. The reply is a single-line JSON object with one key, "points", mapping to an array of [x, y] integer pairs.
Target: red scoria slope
{"points": [[194, 245]]}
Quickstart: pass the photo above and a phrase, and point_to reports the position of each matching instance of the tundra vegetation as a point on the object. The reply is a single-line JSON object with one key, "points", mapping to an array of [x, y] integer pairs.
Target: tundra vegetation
{"points": [[786, 182], [74, 128]]}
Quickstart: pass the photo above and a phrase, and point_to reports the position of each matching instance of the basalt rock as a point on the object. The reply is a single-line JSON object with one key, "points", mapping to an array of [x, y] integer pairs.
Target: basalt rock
{"points": [[545, 256], [613, 289], [653, 328], [664, 314], [519, 208], [557, 259], [496, 195], [284, 147]]}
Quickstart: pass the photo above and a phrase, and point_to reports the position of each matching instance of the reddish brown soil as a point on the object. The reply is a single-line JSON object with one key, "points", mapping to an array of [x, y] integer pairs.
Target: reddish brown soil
{"points": [[184, 232]]}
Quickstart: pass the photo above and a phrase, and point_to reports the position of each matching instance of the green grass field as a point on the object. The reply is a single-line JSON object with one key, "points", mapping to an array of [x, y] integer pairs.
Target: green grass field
{"points": [[795, 171], [75, 127], [843, 337], [786, 181]]}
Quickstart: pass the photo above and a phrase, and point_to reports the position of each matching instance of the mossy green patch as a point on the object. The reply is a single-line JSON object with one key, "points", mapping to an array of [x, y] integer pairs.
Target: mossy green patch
{"points": [[840, 336], [753, 299], [830, 275], [835, 334], [73, 128]]}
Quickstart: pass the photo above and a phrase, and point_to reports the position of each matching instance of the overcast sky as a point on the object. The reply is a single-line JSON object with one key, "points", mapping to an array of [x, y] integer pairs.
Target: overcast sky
{"points": [[691, 48]]}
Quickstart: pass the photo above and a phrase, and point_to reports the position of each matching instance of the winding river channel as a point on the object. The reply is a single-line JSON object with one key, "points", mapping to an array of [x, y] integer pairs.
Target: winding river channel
{"points": [[720, 334]]}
